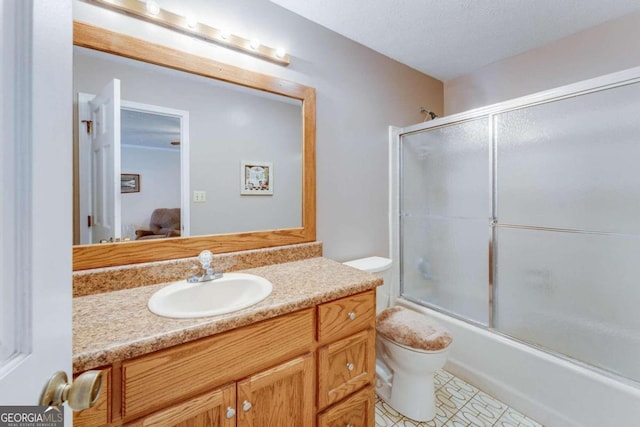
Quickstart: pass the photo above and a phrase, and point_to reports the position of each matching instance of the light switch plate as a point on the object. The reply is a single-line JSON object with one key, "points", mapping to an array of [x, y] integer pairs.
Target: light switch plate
{"points": [[199, 196]]}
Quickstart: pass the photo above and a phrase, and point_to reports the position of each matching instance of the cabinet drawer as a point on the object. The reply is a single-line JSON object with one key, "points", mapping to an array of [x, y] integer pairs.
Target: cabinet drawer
{"points": [[345, 366], [337, 319], [98, 415], [356, 411], [160, 379]]}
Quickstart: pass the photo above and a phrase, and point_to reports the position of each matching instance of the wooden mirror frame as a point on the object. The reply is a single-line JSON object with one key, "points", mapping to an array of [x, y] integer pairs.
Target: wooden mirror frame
{"points": [[112, 254]]}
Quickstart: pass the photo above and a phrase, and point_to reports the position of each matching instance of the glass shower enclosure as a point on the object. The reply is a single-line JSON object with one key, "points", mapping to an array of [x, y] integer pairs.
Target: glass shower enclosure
{"points": [[524, 218]]}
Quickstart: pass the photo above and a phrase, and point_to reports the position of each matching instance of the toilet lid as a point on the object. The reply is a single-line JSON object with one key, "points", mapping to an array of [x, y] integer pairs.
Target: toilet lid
{"points": [[373, 264], [412, 329]]}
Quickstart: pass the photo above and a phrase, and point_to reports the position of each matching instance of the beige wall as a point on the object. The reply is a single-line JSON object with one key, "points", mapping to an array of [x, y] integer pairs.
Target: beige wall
{"points": [[159, 172], [609, 47], [359, 94]]}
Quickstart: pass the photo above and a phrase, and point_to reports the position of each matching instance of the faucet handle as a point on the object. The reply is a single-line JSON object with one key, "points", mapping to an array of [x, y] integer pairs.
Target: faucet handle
{"points": [[205, 259], [194, 274]]}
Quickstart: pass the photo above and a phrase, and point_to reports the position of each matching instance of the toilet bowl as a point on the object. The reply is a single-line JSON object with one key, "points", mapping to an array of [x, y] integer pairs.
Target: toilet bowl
{"points": [[410, 347]]}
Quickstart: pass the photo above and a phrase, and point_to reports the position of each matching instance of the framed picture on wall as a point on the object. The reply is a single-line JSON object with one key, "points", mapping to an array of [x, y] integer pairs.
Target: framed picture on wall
{"points": [[129, 183], [256, 178]]}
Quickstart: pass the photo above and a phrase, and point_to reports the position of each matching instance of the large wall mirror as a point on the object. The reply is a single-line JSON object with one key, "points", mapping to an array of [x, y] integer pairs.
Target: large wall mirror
{"points": [[175, 153]]}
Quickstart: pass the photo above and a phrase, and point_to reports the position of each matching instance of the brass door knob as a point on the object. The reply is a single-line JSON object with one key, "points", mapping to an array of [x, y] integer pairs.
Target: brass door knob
{"points": [[81, 394]]}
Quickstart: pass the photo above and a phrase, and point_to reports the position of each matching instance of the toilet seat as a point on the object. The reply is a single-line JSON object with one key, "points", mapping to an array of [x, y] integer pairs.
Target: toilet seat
{"points": [[412, 330]]}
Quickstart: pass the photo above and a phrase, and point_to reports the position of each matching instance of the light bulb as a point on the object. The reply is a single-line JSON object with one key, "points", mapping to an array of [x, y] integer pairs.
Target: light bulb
{"points": [[224, 34], [254, 44], [153, 7], [280, 52]]}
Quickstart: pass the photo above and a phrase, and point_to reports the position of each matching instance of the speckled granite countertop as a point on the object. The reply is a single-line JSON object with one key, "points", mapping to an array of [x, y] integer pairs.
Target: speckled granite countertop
{"points": [[116, 326]]}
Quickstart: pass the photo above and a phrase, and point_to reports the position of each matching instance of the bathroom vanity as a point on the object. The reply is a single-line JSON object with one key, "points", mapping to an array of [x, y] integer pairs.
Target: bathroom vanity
{"points": [[304, 356]]}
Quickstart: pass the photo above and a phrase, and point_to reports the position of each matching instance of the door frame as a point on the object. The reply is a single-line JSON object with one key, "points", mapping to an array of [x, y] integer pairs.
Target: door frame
{"points": [[84, 161], [183, 116]]}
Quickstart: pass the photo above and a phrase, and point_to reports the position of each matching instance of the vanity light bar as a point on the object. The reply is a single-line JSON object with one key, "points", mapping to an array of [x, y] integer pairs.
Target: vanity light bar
{"points": [[151, 12]]}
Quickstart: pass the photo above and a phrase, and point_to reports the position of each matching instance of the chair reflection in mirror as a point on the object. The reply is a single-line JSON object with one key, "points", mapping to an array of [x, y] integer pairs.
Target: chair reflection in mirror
{"points": [[165, 222]]}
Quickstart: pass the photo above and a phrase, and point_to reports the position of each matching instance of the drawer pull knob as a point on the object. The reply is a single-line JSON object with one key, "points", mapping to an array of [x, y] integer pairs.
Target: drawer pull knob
{"points": [[230, 412], [349, 425], [246, 405], [350, 366], [351, 315]]}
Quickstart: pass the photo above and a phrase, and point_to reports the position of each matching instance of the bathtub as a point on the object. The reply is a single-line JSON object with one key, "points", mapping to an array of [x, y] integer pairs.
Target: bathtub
{"points": [[552, 390]]}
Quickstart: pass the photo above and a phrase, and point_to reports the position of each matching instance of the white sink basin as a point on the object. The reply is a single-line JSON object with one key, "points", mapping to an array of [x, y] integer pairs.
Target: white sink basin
{"points": [[232, 292]]}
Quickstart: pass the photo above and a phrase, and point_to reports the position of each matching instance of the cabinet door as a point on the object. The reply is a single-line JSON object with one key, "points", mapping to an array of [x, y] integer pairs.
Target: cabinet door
{"points": [[356, 411], [280, 396], [213, 409]]}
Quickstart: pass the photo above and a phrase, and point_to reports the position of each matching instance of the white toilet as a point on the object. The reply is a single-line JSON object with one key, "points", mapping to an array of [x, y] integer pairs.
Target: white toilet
{"points": [[410, 347]]}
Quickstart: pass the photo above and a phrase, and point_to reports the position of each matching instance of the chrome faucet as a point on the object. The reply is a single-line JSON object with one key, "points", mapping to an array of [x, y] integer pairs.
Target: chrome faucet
{"points": [[209, 273]]}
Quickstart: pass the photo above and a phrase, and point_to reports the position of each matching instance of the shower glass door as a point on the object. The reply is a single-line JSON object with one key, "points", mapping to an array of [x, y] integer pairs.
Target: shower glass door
{"points": [[568, 231], [525, 218], [445, 210]]}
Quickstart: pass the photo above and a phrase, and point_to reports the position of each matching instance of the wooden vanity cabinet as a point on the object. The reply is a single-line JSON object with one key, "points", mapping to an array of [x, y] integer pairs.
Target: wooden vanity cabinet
{"points": [[160, 379], [277, 372]]}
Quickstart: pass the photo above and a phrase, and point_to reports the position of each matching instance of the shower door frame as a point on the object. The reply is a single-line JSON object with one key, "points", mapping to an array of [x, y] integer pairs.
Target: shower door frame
{"points": [[605, 82]]}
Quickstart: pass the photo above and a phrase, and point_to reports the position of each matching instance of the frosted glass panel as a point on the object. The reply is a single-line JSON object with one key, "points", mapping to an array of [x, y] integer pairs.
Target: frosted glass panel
{"points": [[445, 263], [573, 293], [569, 165], [445, 171], [445, 210], [572, 163]]}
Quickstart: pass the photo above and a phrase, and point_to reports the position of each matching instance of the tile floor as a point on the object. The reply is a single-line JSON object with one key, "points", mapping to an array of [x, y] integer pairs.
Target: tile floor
{"points": [[458, 404]]}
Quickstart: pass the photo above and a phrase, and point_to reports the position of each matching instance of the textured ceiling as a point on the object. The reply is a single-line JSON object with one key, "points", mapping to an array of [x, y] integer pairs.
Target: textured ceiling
{"points": [[449, 38]]}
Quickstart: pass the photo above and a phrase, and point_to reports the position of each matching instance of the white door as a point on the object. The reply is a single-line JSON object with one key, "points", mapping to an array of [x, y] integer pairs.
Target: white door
{"points": [[35, 214], [105, 163]]}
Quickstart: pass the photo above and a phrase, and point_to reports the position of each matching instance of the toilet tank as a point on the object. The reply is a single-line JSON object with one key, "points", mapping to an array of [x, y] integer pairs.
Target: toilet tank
{"points": [[382, 267]]}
